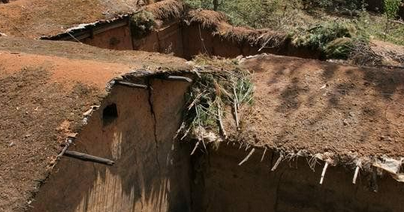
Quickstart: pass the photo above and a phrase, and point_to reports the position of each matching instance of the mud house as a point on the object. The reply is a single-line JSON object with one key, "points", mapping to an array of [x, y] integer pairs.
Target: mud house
{"points": [[306, 114], [85, 128]]}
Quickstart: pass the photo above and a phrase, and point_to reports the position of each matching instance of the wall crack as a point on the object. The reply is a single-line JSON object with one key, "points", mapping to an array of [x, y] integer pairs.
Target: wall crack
{"points": [[150, 100]]}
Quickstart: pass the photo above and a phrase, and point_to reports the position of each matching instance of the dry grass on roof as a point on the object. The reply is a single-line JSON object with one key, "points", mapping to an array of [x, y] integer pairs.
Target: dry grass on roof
{"points": [[207, 18], [219, 22], [252, 36], [166, 9]]}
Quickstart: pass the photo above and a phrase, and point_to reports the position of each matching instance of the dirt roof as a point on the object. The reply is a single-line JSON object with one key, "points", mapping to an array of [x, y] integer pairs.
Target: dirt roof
{"points": [[166, 9], [46, 88], [218, 23], [33, 19], [319, 107]]}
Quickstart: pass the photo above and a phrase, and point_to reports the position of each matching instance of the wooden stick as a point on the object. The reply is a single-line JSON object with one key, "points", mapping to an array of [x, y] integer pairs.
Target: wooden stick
{"points": [[180, 78], [323, 173], [235, 100], [87, 157], [355, 175], [277, 163], [248, 156], [133, 85], [263, 154], [196, 146], [219, 113], [204, 145], [374, 181], [68, 142]]}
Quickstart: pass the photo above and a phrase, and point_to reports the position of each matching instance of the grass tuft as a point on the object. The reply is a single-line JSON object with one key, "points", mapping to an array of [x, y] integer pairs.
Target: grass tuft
{"points": [[212, 93]]}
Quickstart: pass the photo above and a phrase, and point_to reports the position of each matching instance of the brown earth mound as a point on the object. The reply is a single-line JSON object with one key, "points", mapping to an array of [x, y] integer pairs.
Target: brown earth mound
{"points": [[306, 105], [38, 18], [43, 99]]}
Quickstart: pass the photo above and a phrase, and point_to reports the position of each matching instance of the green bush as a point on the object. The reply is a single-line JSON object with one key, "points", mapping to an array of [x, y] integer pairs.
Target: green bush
{"points": [[339, 48], [391, 8], [142, 23], [320, 35]]}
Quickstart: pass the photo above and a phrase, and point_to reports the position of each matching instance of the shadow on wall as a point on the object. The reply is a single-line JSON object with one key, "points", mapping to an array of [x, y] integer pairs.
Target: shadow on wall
{"points": [[177, 38], [220, 184], [150, 168]]}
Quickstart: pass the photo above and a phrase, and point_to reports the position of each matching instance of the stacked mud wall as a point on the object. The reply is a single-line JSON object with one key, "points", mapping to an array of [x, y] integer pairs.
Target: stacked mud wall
{"points": [[220, 184], [200, 40], [151, 171], [178, 38], [117, 38], [166, 39]]}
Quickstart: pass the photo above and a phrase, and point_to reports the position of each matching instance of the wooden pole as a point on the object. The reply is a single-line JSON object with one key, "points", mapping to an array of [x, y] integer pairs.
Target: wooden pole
{"points": [[355, 175], [87, 157], [129, 84], [248, 156], [263, 154], [323, 173], [277, 163], [179, 78]]}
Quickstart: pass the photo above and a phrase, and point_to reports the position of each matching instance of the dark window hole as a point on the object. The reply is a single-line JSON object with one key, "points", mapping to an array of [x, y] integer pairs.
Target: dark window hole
{"points": [[109, 114]]}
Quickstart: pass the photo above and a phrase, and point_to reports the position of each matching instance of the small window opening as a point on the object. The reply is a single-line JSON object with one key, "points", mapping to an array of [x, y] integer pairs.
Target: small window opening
{"points": [[109, 114]]}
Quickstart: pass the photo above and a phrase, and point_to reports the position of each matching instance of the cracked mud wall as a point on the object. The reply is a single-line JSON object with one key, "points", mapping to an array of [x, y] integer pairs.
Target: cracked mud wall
{"points": [[150, 168], [219, 184]]}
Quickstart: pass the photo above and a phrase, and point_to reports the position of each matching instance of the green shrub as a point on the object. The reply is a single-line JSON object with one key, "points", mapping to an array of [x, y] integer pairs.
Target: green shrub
{"points": [[391, 8], [142, 23], [320, 35], [339, 48]]}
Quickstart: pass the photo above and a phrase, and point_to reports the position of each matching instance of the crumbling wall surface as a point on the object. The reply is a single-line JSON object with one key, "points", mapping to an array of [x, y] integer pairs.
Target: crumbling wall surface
{"points": [[220, 184], [165, 39], [117, 38], [202, 40], [150, 168]]}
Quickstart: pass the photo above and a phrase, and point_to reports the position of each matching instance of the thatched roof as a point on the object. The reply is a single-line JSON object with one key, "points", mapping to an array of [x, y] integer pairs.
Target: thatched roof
{"points": [[33, 19], [46, 88], [218, 23]]}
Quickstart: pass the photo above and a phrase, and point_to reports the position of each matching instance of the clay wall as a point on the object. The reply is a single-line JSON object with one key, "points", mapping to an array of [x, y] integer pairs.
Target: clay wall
{"points": [[166, 39], [219, 184], [116, 38], [197, 40], [151, 171]]}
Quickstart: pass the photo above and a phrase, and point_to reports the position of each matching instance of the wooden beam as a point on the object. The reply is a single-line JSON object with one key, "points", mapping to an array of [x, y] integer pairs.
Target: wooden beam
{"points": [[87, 157], [179, 78], [129, 84]]}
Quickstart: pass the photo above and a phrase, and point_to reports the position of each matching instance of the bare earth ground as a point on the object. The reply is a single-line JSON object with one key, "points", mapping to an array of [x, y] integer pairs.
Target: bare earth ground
{"points": [[323, 107], [33, 19], [42, 99], [391, 53]]}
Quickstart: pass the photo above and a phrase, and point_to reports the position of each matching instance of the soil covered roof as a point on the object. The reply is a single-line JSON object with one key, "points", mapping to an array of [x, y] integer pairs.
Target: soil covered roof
{"points": [[46, 88], [34, 19], [299, 106], [319, 107], [218, 23]]}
